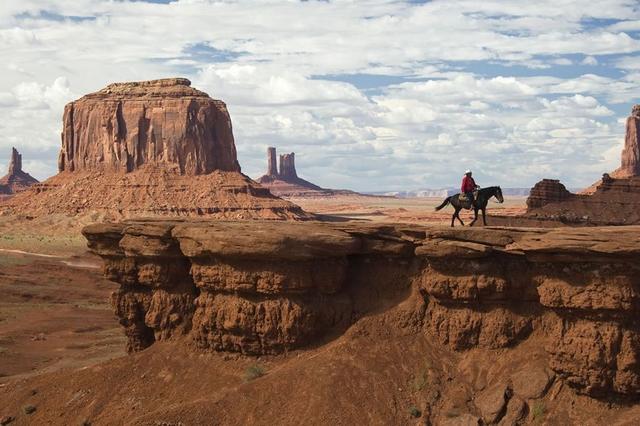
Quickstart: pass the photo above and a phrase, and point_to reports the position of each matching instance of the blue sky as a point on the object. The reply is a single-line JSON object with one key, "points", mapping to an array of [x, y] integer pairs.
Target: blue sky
{"points": [[371, 95]]}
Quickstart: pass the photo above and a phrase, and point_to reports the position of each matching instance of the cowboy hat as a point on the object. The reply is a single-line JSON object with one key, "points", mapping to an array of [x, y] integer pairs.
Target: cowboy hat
{"points": [[467, 172]]}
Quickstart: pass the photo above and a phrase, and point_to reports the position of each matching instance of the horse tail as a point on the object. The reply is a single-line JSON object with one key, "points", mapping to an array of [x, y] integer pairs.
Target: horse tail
{"points": [[444, 203]]}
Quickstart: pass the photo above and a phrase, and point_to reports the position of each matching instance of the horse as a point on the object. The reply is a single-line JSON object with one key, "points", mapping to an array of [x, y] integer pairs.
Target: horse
{"points": [[480, 203]]}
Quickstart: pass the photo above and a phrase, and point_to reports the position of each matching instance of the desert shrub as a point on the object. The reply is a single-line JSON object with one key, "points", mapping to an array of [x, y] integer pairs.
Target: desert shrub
{"points": [[414, 411], [29, 409], [420, 381], [253, 372], [537, 411]]}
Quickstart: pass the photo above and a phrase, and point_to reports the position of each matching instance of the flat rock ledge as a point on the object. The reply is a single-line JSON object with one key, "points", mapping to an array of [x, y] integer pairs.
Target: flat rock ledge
{"points": [[269, 287]]}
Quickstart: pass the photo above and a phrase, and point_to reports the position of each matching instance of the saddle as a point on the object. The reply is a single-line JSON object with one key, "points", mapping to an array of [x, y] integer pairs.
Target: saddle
{"points": [[464, 201]]}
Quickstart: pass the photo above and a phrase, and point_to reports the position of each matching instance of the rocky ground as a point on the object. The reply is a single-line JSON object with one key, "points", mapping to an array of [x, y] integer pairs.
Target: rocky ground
{"points": [[394, 360]]}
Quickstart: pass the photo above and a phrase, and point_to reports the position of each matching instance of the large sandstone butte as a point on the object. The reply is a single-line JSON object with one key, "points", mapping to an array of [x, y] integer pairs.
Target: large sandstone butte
{"points": [[16, 180], [150, 148], [270, 288], [126, 126], [613, 200]]}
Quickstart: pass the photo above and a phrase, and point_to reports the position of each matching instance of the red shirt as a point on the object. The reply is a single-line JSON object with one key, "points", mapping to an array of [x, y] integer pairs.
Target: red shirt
{"points": [[468, 184]]}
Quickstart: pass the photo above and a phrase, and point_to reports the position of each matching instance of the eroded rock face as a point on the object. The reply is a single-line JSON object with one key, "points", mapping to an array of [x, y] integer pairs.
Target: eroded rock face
{"points": [[153, 148], [285, 181], [16, 180], [125, 126], [262, 288], [547, 191], [630, 159]]}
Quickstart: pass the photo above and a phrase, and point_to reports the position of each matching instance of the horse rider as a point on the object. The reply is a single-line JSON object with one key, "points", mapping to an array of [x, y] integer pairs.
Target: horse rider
{"points": [[468, 186]]}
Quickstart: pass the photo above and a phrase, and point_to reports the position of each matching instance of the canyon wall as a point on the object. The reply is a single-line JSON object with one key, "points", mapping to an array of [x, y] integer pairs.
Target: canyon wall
{"points": [[267, 288]]}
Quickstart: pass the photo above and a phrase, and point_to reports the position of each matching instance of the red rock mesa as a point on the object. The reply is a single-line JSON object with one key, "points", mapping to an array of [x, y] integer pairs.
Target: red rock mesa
{"points": [[147, 148]]}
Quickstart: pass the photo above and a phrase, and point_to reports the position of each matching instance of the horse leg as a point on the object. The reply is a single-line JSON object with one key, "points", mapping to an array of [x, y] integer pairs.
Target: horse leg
{"points": [[484, 216], [458, 216], [453, 219], [475, 211]]}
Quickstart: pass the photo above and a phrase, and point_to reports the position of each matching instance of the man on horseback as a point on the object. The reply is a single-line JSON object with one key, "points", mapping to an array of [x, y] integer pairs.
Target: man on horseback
{"points": [[468, 186]]}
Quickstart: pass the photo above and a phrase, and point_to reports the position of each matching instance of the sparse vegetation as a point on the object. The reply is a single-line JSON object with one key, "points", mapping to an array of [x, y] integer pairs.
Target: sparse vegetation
{"points": [[414, 411], [420, 381], [537, 411], [29, 409], [253, 372]]}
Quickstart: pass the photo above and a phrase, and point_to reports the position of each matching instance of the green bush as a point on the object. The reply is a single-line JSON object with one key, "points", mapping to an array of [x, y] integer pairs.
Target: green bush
{"points": [[29, 409], [414, 411], [253, 372], [538, 410]]}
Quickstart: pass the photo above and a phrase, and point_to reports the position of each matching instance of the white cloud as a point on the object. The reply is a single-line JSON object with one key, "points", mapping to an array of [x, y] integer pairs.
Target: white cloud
{"points": [[276, 63]]}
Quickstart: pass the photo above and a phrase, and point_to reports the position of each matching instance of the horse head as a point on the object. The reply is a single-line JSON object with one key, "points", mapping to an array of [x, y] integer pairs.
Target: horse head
{"points": [[498, 194]]}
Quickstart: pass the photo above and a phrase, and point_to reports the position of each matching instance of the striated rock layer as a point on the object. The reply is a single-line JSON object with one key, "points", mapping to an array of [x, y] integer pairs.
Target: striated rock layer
{"points": [[547, 191], [269, 288], [630, 158], [16, 180], [150, 148], [128, 125]]}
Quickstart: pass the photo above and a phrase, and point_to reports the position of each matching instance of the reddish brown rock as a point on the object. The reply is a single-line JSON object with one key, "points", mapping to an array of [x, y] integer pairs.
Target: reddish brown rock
{"points": [[16, 180], [547, 191], [288, 166], [153, 148], [285, 182], [630, 159], [126, 126], [264, 288]]}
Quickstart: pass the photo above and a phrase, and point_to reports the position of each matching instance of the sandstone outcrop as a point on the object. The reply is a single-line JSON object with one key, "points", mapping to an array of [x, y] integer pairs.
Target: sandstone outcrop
{"points": [[285, 182], [16, 180], [150, 148], [269, 288], [547, 191], [630, 161], [126, 126], [612, 200]]}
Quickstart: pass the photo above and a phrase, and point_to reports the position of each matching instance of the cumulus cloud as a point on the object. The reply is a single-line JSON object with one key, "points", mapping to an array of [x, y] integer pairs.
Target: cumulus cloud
{"points": [[449, 90]]}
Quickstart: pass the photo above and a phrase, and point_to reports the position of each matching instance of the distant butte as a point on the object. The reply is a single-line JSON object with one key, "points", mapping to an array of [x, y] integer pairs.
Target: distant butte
{"points": [[612, 200], [16, 180], [151, 148], [285, 182]]}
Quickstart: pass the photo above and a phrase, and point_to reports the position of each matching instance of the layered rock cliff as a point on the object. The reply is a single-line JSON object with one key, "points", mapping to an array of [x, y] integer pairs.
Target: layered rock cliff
{"points": [[612, 200], [630, 159], [16, 180], [269, 288], [547, 191], [125, 126], [152, 148]]}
